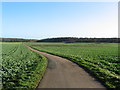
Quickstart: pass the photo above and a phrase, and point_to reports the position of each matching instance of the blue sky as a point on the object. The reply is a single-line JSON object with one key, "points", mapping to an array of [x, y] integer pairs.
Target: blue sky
{"points": [[40, 20]]}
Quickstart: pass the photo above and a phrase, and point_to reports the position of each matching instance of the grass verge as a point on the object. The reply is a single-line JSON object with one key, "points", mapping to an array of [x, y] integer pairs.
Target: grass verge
{"points": [[32, 78]]}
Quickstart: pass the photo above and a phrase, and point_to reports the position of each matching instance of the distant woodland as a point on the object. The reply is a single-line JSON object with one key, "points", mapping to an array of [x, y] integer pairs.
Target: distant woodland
{"points": [[77, 40], [16, 40], [64, 39]]}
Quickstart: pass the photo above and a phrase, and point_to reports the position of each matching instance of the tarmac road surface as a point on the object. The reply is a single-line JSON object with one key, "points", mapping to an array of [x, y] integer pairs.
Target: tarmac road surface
{"points": [[62, 73]]}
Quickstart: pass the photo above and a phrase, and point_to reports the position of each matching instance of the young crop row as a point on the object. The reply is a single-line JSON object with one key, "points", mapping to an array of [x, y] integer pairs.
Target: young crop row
{"points": [[102, 62], [21, 68]]}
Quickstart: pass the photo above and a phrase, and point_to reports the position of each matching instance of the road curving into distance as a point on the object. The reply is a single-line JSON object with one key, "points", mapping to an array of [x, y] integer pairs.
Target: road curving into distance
{"points": [[62, 73]]}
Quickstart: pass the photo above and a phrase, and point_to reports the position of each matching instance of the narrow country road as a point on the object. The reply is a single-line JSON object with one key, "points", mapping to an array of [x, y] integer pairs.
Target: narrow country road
{"points": [[62, 73]]}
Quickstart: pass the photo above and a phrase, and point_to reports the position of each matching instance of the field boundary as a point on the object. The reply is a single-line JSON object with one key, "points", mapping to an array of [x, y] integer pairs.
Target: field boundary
{"points": [[73, 45]]}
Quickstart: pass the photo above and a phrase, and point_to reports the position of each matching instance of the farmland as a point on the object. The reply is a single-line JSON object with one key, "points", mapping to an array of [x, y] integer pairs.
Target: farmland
{"points": [[21, 68], [99, 59]]}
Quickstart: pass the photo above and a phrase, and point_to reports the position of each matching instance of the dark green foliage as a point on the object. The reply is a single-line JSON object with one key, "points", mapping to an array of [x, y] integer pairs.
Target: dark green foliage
{"points": [[74, 40], [16, 40]]}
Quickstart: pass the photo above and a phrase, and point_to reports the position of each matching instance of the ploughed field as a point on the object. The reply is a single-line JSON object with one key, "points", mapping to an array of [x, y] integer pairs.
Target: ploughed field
{"points": [[21, 67], [99, 59]]}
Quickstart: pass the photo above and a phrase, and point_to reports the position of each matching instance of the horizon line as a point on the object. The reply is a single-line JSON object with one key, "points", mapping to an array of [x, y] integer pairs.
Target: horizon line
{"points": [[57, 37]]}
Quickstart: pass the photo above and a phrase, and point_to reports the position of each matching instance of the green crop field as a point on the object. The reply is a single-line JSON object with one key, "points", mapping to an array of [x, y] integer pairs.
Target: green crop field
{"points": [[21, 67], [99, 59]]}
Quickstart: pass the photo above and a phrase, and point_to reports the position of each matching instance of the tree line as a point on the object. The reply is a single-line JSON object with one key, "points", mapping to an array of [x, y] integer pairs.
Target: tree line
{"points": [[16, 40], [64, 40], [75, 40]]}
